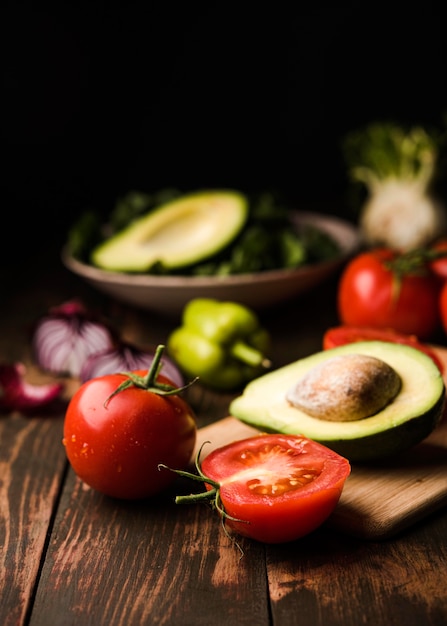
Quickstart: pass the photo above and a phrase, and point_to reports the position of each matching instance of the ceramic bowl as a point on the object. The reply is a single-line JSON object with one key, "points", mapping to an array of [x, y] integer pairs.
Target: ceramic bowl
{"points": [[169, 294]]}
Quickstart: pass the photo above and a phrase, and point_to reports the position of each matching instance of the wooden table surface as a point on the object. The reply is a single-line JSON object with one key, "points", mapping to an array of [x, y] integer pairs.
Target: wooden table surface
{"points": [[70, 556]]}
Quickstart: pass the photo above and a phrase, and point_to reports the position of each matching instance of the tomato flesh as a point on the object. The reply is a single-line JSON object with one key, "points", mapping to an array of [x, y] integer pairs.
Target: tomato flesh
{"points": [[280, 487], [341, 335], [116, 447]]}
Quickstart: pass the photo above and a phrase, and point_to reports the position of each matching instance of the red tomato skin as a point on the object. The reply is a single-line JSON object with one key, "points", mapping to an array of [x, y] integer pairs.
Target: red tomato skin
{"points": [[367, 296], [341, 335], [116, 448], [443, 306], [439, 267], [292, 514]]}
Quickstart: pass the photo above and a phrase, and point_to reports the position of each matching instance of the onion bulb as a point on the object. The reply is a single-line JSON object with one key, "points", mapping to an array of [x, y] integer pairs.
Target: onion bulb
{"points": [[67, 336], [401, 216], [125, 357], [17, 394], [397, 168]]}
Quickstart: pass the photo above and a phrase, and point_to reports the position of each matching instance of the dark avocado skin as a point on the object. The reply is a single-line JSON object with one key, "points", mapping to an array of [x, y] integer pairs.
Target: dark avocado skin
{"points": [[381, 446], [363, 446], [405, 436]]}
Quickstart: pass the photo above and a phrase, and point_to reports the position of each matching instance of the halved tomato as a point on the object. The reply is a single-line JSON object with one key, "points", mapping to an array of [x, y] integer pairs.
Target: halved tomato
{"points": [[341, 335], [275, 488]]}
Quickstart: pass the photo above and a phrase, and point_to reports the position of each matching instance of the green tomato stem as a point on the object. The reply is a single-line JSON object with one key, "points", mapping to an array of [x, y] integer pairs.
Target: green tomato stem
{"points": [[152, 373], [210, 494], [149, 382], [414, 262]]}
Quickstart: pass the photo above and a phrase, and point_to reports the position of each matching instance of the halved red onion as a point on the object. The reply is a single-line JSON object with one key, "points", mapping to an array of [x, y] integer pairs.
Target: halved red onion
{"points": [[18, 394], [125, 357], [67, 336]]}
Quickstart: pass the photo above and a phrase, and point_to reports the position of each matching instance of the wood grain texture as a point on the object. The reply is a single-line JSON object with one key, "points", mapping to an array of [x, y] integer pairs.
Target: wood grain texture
{"points": [[32, 464], [153, 562], [69, 556], [328, 579], [381, 499]]}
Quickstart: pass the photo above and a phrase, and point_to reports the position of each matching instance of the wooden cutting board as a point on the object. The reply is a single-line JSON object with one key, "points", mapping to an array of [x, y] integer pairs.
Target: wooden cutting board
{"points": [[379, 500]]}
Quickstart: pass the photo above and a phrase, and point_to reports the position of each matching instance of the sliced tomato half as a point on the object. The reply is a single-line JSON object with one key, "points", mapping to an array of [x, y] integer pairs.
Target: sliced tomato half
{"points": [[276, 488], [341, 335]]}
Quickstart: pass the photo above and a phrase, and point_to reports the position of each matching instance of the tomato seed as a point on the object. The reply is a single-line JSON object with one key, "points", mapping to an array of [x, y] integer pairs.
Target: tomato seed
{"points": [[279, 487]]}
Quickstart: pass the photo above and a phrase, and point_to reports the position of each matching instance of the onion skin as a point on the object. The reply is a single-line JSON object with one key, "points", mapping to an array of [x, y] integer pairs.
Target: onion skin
{"points": [[67, 336], [19, 395], [70, 340], [125, 357]]}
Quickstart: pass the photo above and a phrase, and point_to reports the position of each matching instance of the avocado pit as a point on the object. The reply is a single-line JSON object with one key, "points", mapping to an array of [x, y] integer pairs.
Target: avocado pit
{"points": [[345, 388]]}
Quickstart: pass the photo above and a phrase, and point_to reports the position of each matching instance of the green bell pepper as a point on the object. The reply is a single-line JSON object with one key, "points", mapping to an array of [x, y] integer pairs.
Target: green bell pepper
{"points": [[222, 343]]}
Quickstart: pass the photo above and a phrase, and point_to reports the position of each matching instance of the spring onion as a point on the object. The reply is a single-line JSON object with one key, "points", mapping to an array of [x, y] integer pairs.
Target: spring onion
{"points": [[397, 168]]}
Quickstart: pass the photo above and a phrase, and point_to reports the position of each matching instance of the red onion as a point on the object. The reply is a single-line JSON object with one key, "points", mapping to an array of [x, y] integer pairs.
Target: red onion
{"points": [[17, 394], [125, 357], [67, 336]]}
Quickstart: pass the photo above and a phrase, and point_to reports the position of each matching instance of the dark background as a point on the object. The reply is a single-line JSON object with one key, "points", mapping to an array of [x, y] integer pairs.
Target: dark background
{"points": [[103, 97]]}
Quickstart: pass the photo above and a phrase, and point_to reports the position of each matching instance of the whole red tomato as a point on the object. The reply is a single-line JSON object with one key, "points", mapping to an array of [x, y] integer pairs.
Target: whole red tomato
{"points": [[376, 289], [274, 488], [115, 441], [439, 265], [443, 306]]}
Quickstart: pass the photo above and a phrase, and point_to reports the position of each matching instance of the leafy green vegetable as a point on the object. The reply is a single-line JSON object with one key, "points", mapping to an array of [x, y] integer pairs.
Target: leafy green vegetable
{"points": [[268, 241], [84, 234], [135, 204], [397, 167], [386, 150]]}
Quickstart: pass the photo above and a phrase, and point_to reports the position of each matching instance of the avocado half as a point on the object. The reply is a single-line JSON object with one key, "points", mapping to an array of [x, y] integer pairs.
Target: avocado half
{"points": [[179, 233], [404, 422]]}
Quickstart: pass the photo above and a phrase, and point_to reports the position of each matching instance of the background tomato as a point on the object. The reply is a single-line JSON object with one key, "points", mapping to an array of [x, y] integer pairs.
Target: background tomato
{"points": [[341, 335], [439, 267], [443, 306], [281, 486], [115, 447], [371, 294]]}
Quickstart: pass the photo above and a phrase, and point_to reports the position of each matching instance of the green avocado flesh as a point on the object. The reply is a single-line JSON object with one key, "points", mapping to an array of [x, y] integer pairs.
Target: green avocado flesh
{"points": [[179, 233], [404, 422]]}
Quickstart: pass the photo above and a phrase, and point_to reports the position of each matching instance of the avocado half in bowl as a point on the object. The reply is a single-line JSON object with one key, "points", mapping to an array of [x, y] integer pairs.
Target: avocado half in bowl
{"points": [[407, 415], [202, 229]]}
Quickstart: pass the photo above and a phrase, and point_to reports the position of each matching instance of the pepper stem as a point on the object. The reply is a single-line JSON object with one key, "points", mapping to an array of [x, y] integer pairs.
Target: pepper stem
{"points": [[248, 355]]}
